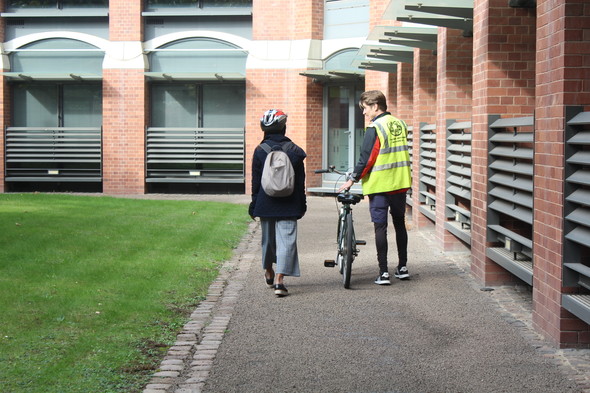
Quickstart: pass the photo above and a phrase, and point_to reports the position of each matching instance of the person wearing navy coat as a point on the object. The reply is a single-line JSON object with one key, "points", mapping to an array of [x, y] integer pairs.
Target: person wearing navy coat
{"points": [[278, 215]]}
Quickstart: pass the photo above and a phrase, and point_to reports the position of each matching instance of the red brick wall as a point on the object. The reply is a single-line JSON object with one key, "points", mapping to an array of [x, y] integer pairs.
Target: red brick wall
{"points": [[124, 108], [285, 89], [563, 78], [124, 102], [287, 19], [301, 99], [405, 92], [454, 77], [424, 112], [503, 83], [4, 108], [125, 20]]}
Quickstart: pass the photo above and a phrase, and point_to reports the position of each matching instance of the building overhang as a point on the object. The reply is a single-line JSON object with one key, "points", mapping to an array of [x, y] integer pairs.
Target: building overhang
{"points": [[195, 76], [35, 76]]}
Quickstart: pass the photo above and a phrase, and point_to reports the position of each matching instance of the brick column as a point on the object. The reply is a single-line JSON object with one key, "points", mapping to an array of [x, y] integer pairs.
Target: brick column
{"points": [[124, 102], [454, 77], [424, 112], [4, 108], [405, 92], [272, 81], [563, 69], [503, 83]]}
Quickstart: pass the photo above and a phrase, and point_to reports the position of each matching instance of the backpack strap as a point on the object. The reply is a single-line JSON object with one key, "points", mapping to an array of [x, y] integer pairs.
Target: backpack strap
{"points": [[285, 146]]}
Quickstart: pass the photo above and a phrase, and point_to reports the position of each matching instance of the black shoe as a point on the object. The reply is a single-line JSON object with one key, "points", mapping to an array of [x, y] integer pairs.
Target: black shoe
{"points": [[402, 273], [383, 279], [280, 290], [269, 280]]}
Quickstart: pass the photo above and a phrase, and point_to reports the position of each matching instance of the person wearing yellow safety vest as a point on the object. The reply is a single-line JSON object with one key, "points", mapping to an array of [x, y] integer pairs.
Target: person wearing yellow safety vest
{"points": [[384, 169]]}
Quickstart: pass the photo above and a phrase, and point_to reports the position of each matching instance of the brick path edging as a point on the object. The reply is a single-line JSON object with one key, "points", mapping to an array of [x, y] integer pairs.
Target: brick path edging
{"points": [[187, 364]]}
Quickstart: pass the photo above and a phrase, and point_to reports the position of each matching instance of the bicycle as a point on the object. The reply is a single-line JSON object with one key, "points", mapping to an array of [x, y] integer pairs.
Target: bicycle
{"points": [[345, 237]]}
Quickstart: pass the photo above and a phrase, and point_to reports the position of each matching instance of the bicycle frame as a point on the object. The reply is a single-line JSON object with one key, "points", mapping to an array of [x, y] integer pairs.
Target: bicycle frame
{"points": [[346, 239]]}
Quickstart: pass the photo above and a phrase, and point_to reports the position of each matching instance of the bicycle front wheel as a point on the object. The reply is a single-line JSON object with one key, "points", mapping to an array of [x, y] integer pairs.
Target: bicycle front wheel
{"points": [[348, 256]]}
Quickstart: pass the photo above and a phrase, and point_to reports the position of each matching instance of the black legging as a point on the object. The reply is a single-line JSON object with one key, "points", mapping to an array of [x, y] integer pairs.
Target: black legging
{"points": [[401, 239]]}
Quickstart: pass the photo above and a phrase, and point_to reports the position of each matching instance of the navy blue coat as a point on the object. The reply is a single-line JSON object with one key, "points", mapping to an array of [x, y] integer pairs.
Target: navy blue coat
{"points": [[293, 206]]}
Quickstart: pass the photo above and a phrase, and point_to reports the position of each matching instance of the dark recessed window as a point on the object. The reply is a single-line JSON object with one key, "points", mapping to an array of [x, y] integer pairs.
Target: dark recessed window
{"points": [[59, 4]]}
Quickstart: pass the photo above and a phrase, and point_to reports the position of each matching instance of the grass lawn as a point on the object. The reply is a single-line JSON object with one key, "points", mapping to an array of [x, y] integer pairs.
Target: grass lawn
{"points": [[93, 290]]}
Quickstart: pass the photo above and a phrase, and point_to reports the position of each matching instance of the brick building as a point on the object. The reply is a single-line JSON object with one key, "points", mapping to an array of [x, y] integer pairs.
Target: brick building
{"points": [[144, 96]]}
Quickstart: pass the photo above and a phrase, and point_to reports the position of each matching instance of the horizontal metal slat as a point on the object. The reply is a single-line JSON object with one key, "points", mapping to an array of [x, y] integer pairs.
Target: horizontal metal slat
{"points": [[513, 122], [521, 269], [428, 146], [579, 305], [581, 216], [460, 181], [510, 195], [428, 163], [457, 229], [456, 137], [460, 192], [520, 168], [504, 151], [428, 127], [459, 209], [464, 149], [518, 183], [581, 176], [580, 138], [580, 119], [464, 125], [580, 235], [580, 158], [579, 268], [464, 171], [580, 196], [526, 242], [428, 195], [520, 213], [505, 137], [463, 160]]}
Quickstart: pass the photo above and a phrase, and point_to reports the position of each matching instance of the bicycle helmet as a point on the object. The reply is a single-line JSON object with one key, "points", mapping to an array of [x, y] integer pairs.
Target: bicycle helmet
{"points": [[273, 121]]}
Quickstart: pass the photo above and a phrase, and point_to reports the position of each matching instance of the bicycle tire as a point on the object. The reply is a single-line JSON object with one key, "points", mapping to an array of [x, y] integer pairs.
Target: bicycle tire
{"points": [[348, 256], [340, 238]]}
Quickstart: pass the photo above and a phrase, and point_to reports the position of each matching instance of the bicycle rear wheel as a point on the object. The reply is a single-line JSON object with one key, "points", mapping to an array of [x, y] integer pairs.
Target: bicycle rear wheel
{"points": [[341, 237], [348, 255]]}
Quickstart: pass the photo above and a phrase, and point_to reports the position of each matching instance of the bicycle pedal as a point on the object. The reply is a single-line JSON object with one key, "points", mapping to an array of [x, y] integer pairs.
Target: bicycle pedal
{"points": [[361, 242], [329, 263]]}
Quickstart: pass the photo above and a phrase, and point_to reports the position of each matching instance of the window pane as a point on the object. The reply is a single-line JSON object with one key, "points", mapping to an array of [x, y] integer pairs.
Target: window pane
{"points": [[227, 3], [338, 127], [198, 55], [171, 3], [35, 106], [174, 105], [56, 3], [58, 56], [224, 106], [82, 105]]}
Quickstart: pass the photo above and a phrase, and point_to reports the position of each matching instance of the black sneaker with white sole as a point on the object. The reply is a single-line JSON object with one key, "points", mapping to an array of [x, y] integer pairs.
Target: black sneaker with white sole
{"points": [[402, 273], [383, 279], [280, 290]]}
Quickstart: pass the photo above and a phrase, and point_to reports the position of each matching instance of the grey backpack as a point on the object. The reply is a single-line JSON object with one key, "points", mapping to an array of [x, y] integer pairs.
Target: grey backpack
{"points": [[278, 176]]}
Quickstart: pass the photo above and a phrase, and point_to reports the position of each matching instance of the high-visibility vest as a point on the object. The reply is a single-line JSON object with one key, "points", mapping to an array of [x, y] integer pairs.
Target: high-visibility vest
{"points": [[391, 171]]}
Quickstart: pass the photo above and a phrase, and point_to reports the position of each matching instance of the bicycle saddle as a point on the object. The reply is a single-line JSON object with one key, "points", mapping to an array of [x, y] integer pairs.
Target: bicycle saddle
{"points": [[349, 199]]}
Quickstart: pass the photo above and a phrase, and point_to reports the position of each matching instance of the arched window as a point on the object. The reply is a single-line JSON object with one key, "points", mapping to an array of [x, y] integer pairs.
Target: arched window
{"points": [[56, 58], [198, 58]]}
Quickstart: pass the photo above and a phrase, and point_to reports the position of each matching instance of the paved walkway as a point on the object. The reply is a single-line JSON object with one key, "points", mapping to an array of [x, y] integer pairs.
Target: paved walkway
{"points": [[437, 332]]}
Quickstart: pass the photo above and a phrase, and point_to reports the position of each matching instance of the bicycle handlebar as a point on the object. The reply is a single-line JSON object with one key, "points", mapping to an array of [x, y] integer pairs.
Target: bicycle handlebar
{"points": [[331, 169]]}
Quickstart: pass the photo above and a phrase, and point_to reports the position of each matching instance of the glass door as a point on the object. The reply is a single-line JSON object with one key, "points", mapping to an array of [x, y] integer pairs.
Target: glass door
{"points": [[344, 128]]}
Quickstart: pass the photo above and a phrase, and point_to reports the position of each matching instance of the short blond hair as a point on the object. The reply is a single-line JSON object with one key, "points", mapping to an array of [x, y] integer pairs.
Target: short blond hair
{"points": [[372, 97]]}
